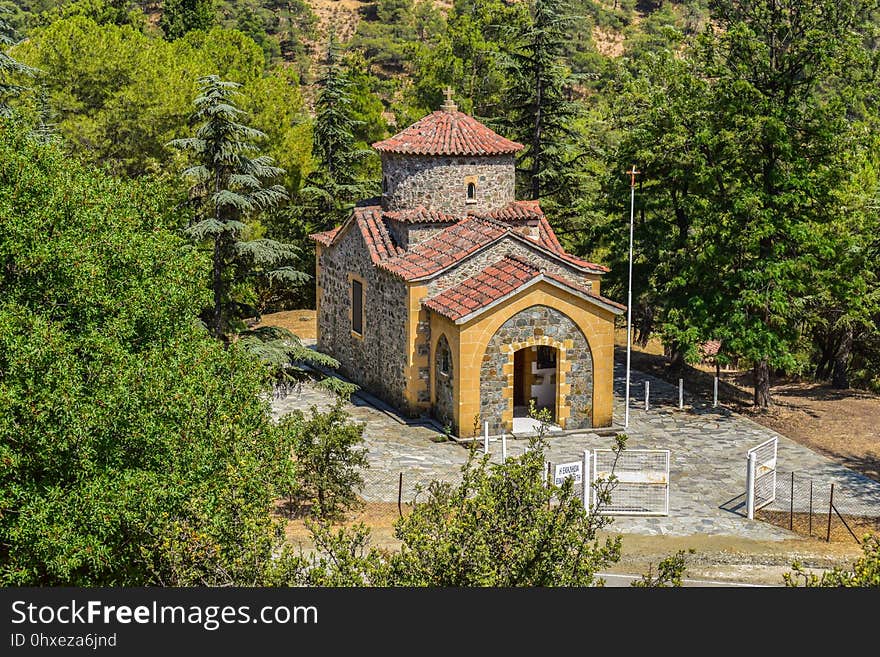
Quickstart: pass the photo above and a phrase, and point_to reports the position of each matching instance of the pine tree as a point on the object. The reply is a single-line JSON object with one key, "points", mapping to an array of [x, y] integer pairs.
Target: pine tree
{"points": [[334, 127], [10, 68], [334, 186], [182, 16], [229, 185], [541, 110]]}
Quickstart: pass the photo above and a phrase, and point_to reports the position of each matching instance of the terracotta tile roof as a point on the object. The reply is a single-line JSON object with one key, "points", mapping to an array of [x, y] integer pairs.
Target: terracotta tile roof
{"points": [[548, 239], [518, 210], [583, 290], [421, 215], [489, 285], [446, 248], [452, 244], [710, 348], [378, 239], [326, 237], [448, 132], [495, 282]]}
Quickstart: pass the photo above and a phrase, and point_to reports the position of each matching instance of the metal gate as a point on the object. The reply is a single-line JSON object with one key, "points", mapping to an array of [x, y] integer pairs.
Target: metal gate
{"points": [[641, 481], [761, 476]]}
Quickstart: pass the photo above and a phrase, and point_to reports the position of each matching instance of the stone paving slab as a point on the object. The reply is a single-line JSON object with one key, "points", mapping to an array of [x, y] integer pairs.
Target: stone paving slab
{"points": [[707, 467]]}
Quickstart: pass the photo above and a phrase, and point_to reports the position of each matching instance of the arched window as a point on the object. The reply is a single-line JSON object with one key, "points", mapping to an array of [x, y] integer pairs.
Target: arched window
{"points": [[471, 191]]}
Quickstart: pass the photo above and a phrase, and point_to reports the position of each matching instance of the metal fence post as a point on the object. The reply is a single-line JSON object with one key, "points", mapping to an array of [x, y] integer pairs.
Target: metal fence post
{"points": [[715, 393], [586, 480], [791, 505], [647, 394], [830, 508], [400, 495], [750, 485], [486, 437], [681, 394]]}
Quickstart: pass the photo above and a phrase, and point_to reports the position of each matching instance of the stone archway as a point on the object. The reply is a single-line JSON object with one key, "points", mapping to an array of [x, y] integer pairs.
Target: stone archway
{"points": [[538, 326], [444, 381]]}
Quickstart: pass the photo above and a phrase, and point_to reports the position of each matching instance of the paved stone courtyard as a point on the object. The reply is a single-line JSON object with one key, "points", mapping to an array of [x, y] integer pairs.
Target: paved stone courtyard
{"points": [[707, 466]]}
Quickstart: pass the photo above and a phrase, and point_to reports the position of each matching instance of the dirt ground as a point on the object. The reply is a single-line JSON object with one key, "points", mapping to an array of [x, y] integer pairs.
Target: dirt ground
{"points": [[721, 558], [841, 424], [299, 322]]}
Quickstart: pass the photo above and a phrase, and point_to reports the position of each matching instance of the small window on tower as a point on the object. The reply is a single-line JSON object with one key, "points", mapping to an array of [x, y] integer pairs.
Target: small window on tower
{"points": [[384, 184], [471, 191]]}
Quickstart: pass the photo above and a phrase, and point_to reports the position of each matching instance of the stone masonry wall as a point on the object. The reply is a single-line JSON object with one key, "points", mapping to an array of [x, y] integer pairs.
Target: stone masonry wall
{"points": [[377, 362], [533, 322], [408, 235], [510, 246], [443, 408], [440, 183]]}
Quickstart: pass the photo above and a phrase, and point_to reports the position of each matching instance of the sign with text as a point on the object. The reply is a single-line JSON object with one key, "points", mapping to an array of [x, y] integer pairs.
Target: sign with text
{"points": [[565, 471]]}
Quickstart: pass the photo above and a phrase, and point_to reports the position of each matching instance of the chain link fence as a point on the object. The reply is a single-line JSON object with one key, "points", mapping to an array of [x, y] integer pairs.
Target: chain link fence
{"points": [[829, 511], [387, 496]]}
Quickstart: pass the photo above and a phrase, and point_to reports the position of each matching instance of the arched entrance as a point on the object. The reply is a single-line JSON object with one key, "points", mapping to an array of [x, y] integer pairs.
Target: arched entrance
{"points": [[505, 390], [535, 380]]}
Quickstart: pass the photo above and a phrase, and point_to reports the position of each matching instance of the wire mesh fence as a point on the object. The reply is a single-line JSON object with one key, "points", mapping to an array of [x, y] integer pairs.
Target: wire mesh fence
{"points": [[830, 511], [388, 495]]}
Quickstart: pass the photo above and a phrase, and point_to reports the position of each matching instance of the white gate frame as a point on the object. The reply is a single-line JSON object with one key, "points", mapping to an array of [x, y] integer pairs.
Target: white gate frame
{"points": [[653, 477], [760, 463]]}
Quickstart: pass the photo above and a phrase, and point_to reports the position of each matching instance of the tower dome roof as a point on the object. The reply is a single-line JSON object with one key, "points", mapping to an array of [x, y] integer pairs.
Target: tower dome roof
{"points": [[448, 132]]}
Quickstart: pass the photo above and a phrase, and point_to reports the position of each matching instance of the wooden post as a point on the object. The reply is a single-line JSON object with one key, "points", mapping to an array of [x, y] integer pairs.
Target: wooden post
{"points": [[830, 508], [791, 505], [811, 507], [400, 495], [681, 394]]}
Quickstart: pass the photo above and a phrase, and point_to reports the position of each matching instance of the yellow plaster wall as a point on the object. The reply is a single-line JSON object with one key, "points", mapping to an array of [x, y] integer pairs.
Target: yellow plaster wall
{"points": [[417, 314], [596, 324], [442, 326]]}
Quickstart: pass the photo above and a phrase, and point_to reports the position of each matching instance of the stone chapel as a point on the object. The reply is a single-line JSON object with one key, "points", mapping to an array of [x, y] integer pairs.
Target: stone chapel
{"points": [[448, 297]]}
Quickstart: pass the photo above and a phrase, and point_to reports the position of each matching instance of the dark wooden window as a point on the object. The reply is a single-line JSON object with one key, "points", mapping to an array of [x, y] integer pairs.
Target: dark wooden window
{"points": [[471, 191], [546, 357], [357, 307]]}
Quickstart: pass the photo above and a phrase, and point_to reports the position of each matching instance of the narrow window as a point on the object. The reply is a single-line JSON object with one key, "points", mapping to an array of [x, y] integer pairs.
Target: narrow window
{"points": [[471, 191], [357, 307], [444, 362], [384, 184]]}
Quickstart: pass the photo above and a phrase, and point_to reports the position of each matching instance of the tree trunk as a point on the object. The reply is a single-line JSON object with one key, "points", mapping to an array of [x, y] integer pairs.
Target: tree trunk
{"points": [[761, 373], [675, 354], [840, 375]]}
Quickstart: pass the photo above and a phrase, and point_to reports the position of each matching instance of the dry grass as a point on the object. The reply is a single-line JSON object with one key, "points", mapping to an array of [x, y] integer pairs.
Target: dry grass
{"points": [[378, 516], [817, 526], [608, 42], [301, 323]]}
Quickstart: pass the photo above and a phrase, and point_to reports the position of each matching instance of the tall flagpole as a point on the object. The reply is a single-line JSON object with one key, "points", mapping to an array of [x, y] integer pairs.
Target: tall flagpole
{"points": [[629, 295]]}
